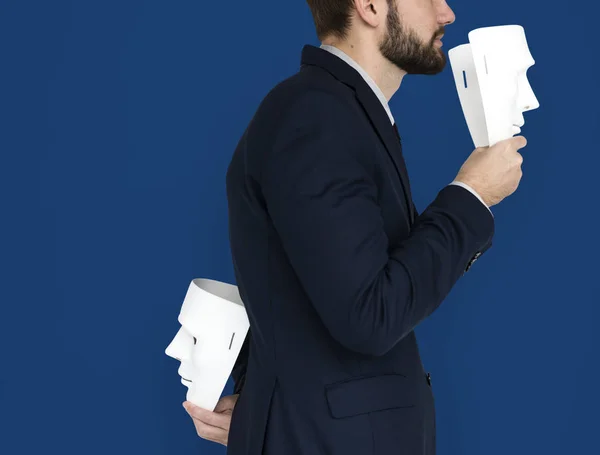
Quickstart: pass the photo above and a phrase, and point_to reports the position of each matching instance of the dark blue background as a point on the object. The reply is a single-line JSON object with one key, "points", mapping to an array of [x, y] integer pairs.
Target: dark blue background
{"points": [[118, 121]]}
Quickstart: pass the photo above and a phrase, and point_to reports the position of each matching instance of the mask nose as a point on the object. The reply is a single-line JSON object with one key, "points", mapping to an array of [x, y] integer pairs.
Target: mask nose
{"points": [[527, 100], [180, 346], [532, 103]]}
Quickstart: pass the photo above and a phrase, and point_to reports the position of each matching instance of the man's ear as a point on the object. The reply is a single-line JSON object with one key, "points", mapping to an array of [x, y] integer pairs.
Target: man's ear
{"points": [[371, 12]]}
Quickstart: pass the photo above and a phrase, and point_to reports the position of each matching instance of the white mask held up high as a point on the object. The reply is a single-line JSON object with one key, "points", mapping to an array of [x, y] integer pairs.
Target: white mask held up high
{"points": [[490, 74], [214, 325]]}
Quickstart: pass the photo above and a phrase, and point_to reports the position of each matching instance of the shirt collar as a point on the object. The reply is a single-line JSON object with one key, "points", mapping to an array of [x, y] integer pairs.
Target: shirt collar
{"points": [[368, 79]]}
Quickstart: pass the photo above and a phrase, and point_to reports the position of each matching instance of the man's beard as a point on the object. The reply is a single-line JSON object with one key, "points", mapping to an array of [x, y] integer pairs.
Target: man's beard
{"points": [[405, 50]]}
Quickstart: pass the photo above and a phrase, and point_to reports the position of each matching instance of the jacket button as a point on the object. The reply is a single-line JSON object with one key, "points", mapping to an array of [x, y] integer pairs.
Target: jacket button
{"points": [[472, 261], [429, 378]]}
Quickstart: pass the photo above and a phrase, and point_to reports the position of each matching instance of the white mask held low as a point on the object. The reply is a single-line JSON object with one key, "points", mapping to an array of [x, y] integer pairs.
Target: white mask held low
{"points": [[214, 325], [490, 74]]}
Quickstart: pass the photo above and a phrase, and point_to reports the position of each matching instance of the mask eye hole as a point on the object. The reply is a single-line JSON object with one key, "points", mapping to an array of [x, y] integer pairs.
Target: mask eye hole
{"points": [[195, 340]]}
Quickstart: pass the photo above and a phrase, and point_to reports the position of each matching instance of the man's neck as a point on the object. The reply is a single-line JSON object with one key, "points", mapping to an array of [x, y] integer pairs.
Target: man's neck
{"points": [[386, 75]]}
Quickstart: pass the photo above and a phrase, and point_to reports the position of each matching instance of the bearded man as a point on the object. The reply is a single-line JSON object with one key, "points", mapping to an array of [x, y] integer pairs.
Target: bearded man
{"points": [[333, 262]]}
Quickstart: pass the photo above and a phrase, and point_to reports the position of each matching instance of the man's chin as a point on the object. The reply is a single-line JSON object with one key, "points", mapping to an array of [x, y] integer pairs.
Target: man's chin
{"points": [[440, 64], [435, 64], [430, 70]]}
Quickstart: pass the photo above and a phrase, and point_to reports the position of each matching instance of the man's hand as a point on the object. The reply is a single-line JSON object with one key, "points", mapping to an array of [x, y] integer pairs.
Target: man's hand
{"points": [[494, 172], [213, 426]]}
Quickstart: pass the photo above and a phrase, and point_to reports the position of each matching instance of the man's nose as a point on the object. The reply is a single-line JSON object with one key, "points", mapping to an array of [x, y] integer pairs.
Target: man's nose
{"points": [[445, 14]]}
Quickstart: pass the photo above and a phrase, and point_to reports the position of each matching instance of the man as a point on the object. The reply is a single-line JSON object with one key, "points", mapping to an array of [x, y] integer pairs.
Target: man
{"points": [[335, 266]]}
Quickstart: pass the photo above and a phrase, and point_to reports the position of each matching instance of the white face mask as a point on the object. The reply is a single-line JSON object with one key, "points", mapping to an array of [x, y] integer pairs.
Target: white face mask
{"points": [[214, 325], [490, 74]]}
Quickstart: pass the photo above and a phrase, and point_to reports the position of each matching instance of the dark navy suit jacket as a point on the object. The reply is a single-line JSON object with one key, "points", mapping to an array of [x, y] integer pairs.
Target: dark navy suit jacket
{"points": [[336, 269]]}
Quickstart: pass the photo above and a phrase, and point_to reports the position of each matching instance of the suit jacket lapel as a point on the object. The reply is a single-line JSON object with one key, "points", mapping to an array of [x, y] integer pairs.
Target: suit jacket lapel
{"points": [[385, 130], [312, 55]]}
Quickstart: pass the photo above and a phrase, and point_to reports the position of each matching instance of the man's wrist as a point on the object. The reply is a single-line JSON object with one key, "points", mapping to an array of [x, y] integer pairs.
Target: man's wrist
{"points": [[472, 191]]}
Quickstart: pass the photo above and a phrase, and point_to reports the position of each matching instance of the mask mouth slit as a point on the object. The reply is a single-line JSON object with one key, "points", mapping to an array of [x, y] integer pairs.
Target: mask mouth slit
{"points": [[186, 380]]}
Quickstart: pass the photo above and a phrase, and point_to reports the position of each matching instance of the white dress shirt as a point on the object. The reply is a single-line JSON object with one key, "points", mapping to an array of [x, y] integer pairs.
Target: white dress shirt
{"points": [[369, 80]]}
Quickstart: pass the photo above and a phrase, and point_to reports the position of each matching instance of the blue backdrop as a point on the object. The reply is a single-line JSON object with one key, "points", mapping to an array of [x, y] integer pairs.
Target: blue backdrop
{"points": [[118, 121]]}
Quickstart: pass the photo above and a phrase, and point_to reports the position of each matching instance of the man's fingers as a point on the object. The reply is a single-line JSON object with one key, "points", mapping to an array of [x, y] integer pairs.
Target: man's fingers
{"points": [[520, 142], [223, 406], [209, 432], [208, 417], [226, 403], [519, 159]]}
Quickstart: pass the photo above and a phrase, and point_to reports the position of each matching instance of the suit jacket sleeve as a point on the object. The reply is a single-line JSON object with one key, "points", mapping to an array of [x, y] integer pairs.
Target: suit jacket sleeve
{"points": [[323, 202]]}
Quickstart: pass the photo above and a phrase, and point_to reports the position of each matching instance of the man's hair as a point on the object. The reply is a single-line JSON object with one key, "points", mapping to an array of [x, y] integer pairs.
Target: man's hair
{"points": [[331, 17]]}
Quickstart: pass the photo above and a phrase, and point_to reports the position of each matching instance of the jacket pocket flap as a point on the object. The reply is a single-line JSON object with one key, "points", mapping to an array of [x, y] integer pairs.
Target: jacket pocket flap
{"points": [[368, 394]]}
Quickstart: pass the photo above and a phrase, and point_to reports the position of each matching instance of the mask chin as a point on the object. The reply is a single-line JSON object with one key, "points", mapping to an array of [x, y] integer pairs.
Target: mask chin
{"points": [[206, 388]]}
